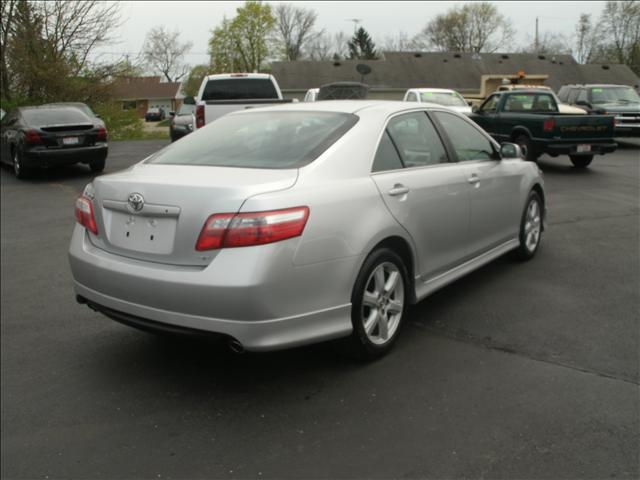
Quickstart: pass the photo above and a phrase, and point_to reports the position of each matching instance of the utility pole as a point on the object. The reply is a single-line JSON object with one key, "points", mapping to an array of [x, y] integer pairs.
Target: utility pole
{"points": [[536, 41]]}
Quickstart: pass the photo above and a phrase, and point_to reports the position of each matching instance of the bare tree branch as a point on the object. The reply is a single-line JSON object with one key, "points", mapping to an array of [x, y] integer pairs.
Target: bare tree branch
{"points": [[164, 53]]}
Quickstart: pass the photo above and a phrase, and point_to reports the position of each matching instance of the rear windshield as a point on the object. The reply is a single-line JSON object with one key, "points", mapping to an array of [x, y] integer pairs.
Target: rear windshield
{"points": [[271, 140], [239, 89], [54, 116], [450, 99], [153, 110]]}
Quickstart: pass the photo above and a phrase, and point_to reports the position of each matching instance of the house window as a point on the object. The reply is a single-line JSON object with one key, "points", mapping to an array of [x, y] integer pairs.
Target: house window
{"points": [[129, 105]]}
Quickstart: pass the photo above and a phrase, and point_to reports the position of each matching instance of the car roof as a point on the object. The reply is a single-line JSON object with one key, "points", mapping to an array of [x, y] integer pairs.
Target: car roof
{"points": [[432, 90], [387, 107]]}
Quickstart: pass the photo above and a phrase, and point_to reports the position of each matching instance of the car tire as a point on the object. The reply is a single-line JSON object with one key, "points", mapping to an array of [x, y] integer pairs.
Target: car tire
{"points": [[378, 304], [530, 227], [526, 145], [19, 170], [581, 161], [97, 166]]}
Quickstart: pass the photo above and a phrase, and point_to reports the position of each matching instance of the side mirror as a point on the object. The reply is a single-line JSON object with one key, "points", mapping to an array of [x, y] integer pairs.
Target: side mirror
{"points": [[189, 101], [470, 103], [172, 114], [474, 108], [510, 150], [295, 100], [97, 115]]}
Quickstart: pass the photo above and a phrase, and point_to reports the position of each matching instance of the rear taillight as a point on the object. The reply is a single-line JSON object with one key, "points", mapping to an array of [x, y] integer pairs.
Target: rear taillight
{"points": [[549, 124], [84, 214], [32, 137], [226, 230], [102, 134], [199, 116]]}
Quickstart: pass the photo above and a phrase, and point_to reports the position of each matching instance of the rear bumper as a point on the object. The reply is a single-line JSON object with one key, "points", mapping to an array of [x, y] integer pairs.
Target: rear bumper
{"points": [[571, 148], [255, 294], [627, 131], [176, 133], [64, 156]]}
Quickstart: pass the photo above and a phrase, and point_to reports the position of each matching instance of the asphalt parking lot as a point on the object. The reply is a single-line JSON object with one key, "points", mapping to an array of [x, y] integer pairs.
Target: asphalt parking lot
{"points": [[520, 370]]}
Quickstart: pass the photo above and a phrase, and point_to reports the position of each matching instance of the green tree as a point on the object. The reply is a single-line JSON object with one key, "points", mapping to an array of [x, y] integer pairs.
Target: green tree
{"points": [[621, 22], [361, 47], [194, 80], [243, 42]]}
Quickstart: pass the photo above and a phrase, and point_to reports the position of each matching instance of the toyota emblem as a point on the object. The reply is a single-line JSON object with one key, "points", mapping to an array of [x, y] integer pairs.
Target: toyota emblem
{"points": [[135, 202]]}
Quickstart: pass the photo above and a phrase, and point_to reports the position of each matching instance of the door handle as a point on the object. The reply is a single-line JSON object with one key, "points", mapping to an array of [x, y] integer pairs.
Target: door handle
{"points": [[398, 189], [473, 179]]}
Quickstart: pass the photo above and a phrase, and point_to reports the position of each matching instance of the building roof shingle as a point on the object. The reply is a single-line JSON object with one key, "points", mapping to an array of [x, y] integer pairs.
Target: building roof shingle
{"points": [[461, 71], [139, 88]]}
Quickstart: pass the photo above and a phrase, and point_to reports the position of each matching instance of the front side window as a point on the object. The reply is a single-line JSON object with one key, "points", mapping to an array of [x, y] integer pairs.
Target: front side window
{"points": [[269, 140], [582, 95], [468, 143], [417, 140], [491, 104]]}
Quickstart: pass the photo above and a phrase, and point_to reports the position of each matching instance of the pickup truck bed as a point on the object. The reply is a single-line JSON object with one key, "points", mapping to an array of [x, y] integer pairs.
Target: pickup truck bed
{"points": [[223, 94]]}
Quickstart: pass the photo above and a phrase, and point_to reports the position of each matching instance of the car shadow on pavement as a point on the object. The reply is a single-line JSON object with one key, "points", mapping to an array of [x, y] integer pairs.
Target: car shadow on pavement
{"points": [[55, 174], [193, 363]]}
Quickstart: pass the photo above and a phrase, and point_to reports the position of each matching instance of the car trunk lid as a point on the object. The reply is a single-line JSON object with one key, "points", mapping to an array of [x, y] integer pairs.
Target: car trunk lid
{"points": [[156, 212]]}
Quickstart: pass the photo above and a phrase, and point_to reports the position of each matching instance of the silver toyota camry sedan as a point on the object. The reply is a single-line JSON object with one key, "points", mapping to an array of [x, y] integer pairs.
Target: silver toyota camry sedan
{"points": [[287, 225]]}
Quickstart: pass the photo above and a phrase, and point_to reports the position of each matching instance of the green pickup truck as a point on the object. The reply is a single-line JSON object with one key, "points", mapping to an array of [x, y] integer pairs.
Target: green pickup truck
{"points": [[531, 119]]}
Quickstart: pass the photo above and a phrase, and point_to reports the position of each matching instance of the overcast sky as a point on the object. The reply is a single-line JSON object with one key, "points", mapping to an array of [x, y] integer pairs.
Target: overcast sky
{"points": [[195, 20]]}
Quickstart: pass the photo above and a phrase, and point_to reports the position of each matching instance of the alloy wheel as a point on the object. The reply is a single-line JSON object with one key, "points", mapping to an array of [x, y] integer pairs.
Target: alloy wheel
{"points": [[532, 226], [383, 303]]}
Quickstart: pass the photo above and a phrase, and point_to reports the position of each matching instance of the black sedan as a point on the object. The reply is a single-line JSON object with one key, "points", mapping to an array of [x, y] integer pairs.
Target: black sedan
{"points": [[154, 115], [182, 123], [45, 136]]}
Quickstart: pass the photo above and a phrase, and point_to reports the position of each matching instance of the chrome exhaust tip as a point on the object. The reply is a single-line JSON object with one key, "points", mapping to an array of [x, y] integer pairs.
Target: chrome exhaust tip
{"points": [[235, 346]]}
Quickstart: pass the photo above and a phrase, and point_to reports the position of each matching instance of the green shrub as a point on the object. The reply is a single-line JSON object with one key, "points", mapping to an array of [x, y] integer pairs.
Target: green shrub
{"points": [[121, 124]]}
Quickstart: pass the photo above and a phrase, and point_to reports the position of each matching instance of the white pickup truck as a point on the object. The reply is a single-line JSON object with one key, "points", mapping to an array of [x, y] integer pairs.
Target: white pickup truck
{"points": [[226, 93]]}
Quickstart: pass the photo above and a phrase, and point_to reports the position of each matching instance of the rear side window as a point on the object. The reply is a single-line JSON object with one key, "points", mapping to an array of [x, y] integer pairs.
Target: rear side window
{"points": [[572, 96], [467, 141], [240, 89], [271, 140], [417, 140], [530, 102], [54, 116], [387, 157]]}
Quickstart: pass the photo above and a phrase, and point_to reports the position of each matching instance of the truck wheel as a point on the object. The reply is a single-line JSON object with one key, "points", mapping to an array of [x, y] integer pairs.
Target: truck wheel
{"points": [[581, 161], [526, 145]]}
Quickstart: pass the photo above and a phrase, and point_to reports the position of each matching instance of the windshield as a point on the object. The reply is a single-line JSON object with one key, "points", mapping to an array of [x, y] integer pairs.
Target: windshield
{"points": [[186, 109], [449, 99], [259, 140], [622, 95]]}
